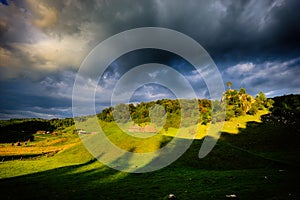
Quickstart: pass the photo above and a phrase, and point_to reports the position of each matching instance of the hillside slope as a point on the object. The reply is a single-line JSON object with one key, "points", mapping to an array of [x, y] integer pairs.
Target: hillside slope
{"points": [[248, 164]]}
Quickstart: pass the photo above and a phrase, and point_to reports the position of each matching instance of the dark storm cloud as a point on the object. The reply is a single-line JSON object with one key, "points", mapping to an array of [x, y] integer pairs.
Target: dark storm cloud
{"points": [[261, 31], [236, 31], [43, 98], [231, 31]]}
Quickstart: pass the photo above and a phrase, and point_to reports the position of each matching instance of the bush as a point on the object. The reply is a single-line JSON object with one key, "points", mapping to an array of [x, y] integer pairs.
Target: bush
{"points": [[253, 110], [239, 111], [229, 114]]}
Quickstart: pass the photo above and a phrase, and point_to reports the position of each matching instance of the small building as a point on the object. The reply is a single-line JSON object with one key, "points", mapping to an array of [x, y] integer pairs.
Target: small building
{"points": [[40, 132], [135, 129], [143, 129], [82, 132]]}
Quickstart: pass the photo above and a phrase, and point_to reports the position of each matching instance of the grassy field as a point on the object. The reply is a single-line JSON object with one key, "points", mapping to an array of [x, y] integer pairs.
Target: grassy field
{"points": [[260, 162]]}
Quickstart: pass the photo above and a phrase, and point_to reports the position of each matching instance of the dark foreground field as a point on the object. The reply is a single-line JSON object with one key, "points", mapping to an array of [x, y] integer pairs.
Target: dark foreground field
{"points": [[261, 162]]}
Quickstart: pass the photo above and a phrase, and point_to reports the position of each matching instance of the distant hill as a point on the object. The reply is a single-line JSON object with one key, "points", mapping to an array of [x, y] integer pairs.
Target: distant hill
{"points": [[287, 105], [17, 130]]}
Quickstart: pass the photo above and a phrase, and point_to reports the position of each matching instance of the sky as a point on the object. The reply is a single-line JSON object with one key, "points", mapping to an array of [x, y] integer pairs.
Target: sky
{"points": [[254, 44]]}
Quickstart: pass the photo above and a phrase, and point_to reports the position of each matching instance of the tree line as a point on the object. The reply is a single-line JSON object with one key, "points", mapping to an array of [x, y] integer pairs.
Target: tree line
{"points": [[165, 112], [234, 103], [15, 130]]}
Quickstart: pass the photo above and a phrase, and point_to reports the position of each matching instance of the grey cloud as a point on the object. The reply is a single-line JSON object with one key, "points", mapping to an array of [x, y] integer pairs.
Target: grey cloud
{"points": [[231, 31], [50, 95], [235, 31], [270, 77], [151, 92]]}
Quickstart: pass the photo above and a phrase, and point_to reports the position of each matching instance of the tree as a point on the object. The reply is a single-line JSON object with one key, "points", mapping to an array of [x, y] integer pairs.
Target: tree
{"points": [[121, 113], [242, 91], [238, 111], [269, 103], [157, 115], [261, 100], [229, 114], [253, 110], [261, 97], [229, 84]]}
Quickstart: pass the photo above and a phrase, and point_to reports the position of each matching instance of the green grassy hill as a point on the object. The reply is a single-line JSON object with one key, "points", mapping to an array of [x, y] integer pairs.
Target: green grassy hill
{"points": [[260, 162]]}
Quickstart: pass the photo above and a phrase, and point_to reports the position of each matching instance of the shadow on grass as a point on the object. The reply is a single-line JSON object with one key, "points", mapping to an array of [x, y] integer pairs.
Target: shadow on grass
{"points": [[92, 180], [273, 139]]}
